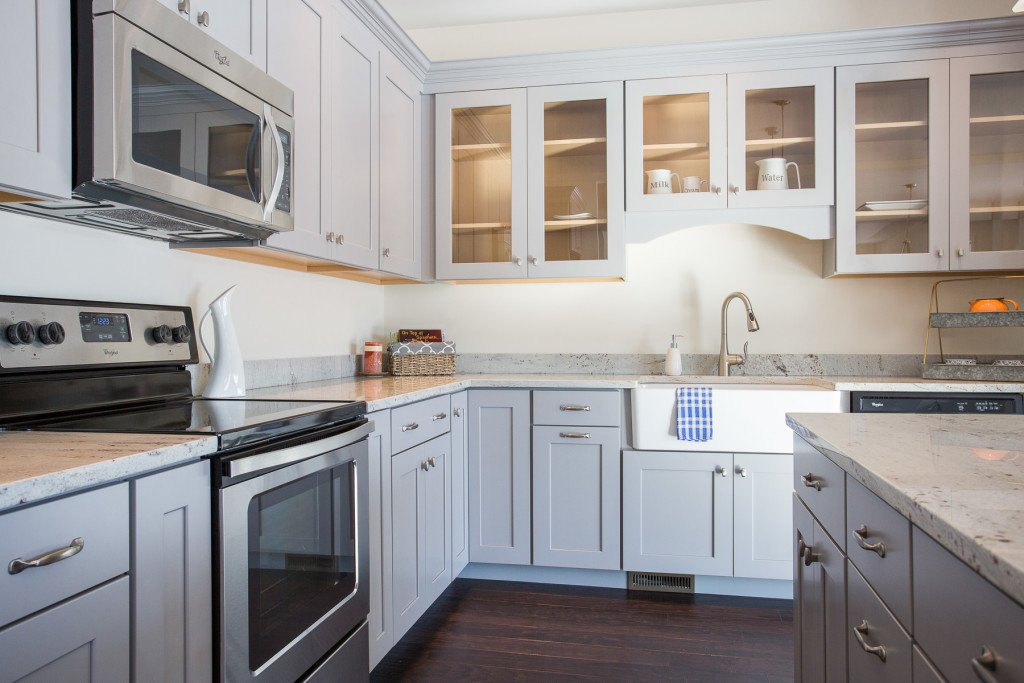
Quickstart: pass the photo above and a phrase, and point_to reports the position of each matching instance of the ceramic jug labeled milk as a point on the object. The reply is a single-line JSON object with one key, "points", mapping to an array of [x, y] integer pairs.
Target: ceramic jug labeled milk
{"points": [[772, 174]]}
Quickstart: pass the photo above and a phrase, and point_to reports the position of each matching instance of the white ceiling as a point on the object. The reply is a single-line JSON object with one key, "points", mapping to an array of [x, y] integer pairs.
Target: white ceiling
{"points": [[415, 14]]}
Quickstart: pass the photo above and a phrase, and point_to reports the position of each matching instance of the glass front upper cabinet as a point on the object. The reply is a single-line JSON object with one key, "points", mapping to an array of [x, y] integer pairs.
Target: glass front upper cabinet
{"points": [[575, 193], [892, 169], [481, 185], [781, 138], [676, 143], [987, 162]]}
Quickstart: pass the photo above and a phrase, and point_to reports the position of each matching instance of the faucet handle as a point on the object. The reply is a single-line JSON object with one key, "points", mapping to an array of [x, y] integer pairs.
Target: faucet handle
{"points": [[743, 356]]}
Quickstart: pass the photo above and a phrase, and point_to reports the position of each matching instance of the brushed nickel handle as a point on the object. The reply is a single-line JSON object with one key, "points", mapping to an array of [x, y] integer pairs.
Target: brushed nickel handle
{"points": [[861, 534], [387, 253], [439, 416], [810, 557], [424, 465], [341, 239], [862, 630], [204, 19], [409, 427], [329, 237], [716, 189], [574, 435], [575, 409], [939, 253], [532, 260], [720, 471], [458, 412], [19, 565], [734, 189], [432, 462], [517, 261], [961, 253], [185, 7], [811, 482], [984, 665], [742, 471]]}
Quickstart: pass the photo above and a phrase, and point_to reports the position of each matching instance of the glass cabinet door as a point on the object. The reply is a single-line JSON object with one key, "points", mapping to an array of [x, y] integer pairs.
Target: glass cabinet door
{"points": [[676, 143], [781, 138], [987, 162], [892, 169], [576, 193], [481, 185]]}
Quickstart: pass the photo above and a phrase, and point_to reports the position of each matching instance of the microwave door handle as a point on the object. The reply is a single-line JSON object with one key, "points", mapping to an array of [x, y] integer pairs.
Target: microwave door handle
{"points": [[268, 209], [252, 173]]}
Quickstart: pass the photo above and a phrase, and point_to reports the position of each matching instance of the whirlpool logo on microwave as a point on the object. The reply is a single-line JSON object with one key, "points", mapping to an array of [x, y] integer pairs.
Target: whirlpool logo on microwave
{"points": [[221, 59]]}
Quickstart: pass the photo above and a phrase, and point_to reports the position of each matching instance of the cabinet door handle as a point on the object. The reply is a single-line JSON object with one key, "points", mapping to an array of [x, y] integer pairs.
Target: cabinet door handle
{"points": [[204, 19], [329, 237], [409, 427], [734, 189], [984, 665], [439, 416], [574, 435], [432, 462], [424, 465], [860, 631], [961, 253], [716, 189], [458, 412], [742, 471], [532, 260], [517, 261], [810, 557], [574, 409], [939, 253], [19, 565], [719, 470], [386, 253], [811, 482], [861, 534], [185, 7], [341, 239]]}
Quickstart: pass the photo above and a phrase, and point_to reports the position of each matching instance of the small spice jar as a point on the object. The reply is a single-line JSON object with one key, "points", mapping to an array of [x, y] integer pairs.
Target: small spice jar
{"points": [[373, 358]]}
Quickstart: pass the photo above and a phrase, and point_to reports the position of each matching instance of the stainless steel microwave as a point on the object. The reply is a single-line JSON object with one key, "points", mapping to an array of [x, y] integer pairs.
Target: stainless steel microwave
{"points": [[176, 137]]}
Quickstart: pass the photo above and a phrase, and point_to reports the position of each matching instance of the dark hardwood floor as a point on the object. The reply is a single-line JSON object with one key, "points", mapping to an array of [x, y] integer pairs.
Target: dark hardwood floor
{"points": [[503, 631]]}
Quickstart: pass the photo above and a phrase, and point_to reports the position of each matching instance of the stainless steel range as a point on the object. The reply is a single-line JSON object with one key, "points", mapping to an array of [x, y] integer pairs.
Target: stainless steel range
{"points": [[290, 477]]}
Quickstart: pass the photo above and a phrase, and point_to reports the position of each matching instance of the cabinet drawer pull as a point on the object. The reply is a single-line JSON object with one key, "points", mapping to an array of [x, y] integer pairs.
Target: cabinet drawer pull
{"points": [[810, 557], [862, 630], [984, 665], [575, 409], [811, 482], [409, 427], [439, 416], [19, 565], [574, 435], [861, 534]]}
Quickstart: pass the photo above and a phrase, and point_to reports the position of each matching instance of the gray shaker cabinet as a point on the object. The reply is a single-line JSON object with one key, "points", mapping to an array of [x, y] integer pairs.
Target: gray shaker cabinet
{"points": [[83, 639], [499, 476], [576, 494], [381, 630], [460, 482], [172, 575], [677, 512]]}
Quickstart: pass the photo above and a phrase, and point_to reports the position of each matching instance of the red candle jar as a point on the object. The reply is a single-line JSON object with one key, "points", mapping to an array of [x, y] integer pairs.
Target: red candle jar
{"points": [[373, 358]]}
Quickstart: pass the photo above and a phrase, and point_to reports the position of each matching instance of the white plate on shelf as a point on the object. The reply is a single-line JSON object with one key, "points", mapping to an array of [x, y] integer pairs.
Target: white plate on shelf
{"points": [[897, 205], [574, 216]]}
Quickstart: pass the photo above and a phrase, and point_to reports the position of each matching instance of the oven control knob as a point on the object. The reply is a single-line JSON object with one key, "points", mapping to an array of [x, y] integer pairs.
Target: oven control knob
{"points": [[51, 334], [181, 334], [162, 334], [21, 333]]}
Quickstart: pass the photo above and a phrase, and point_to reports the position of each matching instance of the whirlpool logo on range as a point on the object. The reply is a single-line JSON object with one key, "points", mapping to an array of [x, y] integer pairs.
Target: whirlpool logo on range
{"points": [[110, 352]]}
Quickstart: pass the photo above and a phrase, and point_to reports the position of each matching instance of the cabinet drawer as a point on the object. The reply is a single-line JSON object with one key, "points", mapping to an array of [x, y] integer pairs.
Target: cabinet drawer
{"points": [[879, 649], [878, 543], [99, 518], [957, 613], [820, 483], [579, 408], [419, 422]]}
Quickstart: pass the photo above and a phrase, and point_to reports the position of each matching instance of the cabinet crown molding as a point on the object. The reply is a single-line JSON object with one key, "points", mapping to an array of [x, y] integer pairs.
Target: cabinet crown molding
{"points": [[816, 49], [387, 30]]}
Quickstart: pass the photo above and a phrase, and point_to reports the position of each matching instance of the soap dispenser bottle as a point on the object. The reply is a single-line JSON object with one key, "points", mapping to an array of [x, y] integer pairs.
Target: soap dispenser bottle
{"points": [[673, 359]]}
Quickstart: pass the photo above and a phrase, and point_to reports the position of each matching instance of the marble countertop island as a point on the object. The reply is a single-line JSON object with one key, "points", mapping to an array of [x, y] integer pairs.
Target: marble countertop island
{"points": [[35, 466], [959, 478]]}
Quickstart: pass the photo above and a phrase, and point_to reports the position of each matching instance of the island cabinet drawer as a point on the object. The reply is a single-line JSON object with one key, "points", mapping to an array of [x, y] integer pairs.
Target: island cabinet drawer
{"points": [[879, 649], [878, 543], [420, 422], [577, 408], [61, 548], [959, 618], [821, 485]]}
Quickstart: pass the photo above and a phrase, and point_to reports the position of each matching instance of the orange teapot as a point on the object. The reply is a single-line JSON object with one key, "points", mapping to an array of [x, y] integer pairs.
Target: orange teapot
{"points": [[993, 305]]}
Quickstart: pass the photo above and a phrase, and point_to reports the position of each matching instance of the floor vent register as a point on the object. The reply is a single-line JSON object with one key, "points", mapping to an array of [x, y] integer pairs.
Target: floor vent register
{"points": [[660, 583]]}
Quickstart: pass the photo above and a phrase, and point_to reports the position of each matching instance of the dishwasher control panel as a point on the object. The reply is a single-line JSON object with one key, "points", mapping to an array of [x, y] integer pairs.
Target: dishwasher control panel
{"points": [[936, 402]]}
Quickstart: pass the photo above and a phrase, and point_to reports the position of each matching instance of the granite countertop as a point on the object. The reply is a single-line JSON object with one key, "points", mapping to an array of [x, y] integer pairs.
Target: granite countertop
{"points": [[959, 478], [39, 465], [381, 393]]}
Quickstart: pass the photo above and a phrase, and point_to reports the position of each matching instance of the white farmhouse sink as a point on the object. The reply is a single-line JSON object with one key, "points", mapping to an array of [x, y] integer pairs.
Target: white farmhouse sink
{"points": [[748, 418]]}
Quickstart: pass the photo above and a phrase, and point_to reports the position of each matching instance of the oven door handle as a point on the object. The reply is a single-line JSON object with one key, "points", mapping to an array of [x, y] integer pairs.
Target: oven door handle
{"points": [[289, 456]]}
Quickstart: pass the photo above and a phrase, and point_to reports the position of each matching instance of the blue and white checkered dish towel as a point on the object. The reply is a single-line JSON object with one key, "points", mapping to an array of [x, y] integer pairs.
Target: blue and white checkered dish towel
{"points": [[694, 414]]}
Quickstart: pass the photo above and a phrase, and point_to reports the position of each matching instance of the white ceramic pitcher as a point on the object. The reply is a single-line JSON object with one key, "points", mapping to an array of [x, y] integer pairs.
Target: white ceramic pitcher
{"points": [[659, 181], [772, 173], [227, 378]]}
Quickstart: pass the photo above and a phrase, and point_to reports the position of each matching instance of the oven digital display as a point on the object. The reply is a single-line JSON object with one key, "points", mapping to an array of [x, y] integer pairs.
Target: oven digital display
{"points": [[105, 327]]}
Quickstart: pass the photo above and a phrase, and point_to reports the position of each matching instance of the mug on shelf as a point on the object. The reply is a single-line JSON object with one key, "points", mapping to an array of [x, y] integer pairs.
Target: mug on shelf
{"points": [[693, 183], [996, 305], [659, 180], [772, 173]]}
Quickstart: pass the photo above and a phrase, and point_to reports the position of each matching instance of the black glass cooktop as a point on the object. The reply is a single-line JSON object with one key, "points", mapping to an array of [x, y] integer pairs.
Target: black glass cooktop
{"points": [[236, 422]]}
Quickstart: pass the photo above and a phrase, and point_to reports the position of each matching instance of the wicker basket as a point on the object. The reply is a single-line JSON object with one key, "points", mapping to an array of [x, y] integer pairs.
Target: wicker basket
{"points": [[423, 364]]}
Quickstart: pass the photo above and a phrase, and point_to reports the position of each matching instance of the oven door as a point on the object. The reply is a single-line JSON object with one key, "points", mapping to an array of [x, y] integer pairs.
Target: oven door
{"points": [[294, 565], [169, 127]]}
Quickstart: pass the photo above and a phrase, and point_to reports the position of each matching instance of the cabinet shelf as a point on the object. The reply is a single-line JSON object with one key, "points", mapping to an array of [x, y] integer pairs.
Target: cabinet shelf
{"points": [[493, 150], [481, 226], [553, 226], [891, 130], [676, 151], [997, 125], [960, 320], [778, 142], [575, 147], [984, 210], [886, 215]]}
